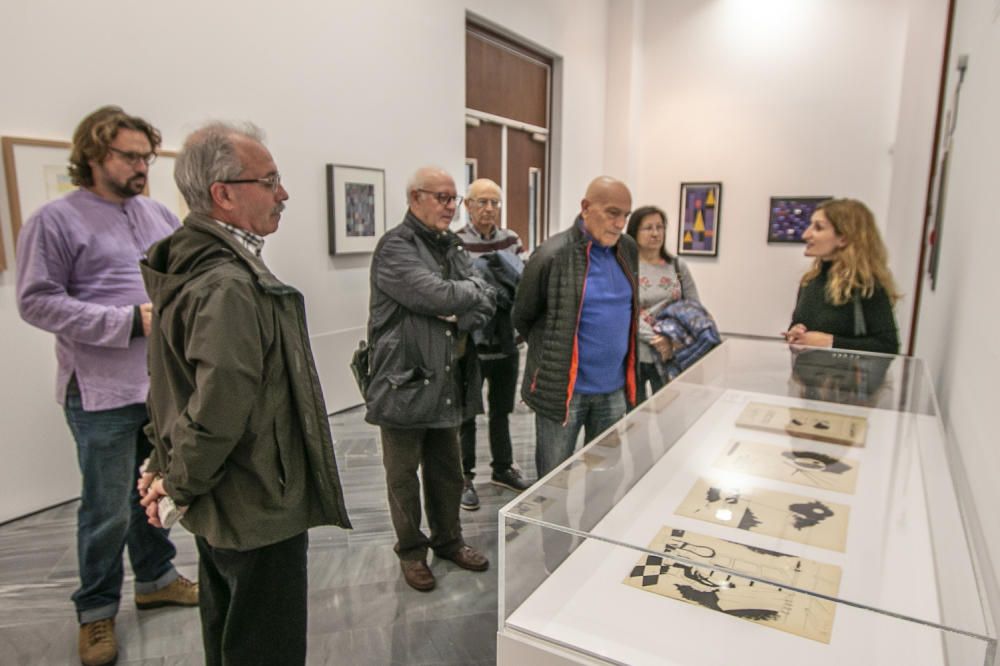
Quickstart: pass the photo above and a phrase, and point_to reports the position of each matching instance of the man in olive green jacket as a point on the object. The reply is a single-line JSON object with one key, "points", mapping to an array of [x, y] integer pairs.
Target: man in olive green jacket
{"points": [[237, 416]]}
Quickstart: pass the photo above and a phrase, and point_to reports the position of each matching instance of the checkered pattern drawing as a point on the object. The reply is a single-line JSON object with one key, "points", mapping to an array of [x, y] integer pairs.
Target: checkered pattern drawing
{"points": [[648, 573], [695, 578]]}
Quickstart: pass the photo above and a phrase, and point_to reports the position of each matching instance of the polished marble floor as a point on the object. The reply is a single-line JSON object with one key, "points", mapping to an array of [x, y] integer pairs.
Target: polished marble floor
{"points": [[360, 610]]}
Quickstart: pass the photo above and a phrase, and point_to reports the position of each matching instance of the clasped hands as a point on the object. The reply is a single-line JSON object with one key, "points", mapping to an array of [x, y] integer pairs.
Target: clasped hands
{"points": [[799, 336], [151, 490]]}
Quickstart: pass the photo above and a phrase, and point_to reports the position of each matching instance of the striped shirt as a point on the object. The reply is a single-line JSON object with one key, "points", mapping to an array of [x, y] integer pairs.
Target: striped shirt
{"points": [[498, 240]]}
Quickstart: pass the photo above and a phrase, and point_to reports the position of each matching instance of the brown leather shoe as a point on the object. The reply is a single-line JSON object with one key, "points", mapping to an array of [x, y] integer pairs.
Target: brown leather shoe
{"points": [[180, 592], [418, 575], [97, 643], [469, 558]]}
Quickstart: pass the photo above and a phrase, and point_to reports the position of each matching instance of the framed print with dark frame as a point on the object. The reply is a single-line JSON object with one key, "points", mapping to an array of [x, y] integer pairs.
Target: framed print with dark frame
{"points": [[790, 216], [698, 222], [355, 208]]}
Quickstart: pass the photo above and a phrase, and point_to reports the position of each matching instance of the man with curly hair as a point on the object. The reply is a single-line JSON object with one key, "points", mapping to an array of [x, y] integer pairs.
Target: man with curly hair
{"points": [[78, 277]]}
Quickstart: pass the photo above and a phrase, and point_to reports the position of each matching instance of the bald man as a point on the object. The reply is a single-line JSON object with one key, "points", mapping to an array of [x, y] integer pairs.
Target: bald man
{"points": [[425, 302], [577, 307], [497, 252]]}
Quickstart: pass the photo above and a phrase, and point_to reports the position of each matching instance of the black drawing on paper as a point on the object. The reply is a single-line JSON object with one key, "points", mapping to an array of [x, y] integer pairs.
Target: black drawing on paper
{"points": [[809, 514], [766, 603], [748, 521], [814, 461]]}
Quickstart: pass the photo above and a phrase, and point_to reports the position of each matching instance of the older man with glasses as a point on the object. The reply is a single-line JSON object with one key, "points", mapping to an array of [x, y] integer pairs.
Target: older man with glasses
{"points": [[425, 302], [497, 252], [78, 277], [237, 416]]}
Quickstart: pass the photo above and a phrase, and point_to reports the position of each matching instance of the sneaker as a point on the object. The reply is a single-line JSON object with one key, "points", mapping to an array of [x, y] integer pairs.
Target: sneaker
{"points": [[97, 643], [180, 592], [470, 500], [510, 478]]}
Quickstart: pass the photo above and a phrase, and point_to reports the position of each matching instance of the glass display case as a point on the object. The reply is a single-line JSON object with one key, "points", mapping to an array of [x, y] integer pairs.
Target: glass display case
{"points": [[766, 507]]}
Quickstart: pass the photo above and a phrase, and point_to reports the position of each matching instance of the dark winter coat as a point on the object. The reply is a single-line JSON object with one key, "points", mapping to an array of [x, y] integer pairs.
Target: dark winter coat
{"points": [[425, 300], [547, 314], [237, 417]]}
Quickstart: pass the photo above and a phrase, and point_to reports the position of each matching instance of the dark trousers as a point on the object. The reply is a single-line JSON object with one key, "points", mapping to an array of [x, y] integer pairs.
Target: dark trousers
{"points": [[253, 603], [648, 373], [501, 376], [436, 453]]}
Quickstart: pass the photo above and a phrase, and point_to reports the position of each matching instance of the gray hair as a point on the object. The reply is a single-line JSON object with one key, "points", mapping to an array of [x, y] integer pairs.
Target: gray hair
{"points": [[209, 156], [420, 177]]}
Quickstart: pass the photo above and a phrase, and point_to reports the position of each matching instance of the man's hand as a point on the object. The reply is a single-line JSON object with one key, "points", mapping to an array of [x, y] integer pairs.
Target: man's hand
{"points": [[150, 499], [146, 312], [145, 480]]}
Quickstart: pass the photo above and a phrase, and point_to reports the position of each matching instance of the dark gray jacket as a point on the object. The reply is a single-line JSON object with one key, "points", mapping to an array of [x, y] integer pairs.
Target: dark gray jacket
{"points": [[547, 314], [237, 417], [424, 372]]}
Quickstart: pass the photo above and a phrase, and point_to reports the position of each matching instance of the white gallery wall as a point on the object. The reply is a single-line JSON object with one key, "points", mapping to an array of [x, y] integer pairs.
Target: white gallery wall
{"points": [[377, 84], [770, 98], [958, 320]]}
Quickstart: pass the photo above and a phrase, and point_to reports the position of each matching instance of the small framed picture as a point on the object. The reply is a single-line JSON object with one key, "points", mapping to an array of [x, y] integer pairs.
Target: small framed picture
{"points": [[790, 216], [698, 227], [355, 208]]}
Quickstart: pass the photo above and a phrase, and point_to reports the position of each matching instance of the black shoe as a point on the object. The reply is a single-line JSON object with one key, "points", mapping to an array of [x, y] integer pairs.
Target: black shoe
{"points": [[470, 500], [510, 478]]}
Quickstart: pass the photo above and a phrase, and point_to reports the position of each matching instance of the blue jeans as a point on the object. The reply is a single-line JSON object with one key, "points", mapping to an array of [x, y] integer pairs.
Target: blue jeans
{"points": [[110, 446], [555, 442]]}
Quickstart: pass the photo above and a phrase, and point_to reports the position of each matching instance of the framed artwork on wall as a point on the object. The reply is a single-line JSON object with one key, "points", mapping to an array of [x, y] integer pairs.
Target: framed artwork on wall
{"points": [[35, 170], [698, 226], [355, 209], [790, 216], [160, 184]]}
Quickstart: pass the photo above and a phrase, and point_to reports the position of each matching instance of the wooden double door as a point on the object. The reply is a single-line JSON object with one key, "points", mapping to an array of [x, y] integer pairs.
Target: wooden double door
{"points": [[507, 128]]}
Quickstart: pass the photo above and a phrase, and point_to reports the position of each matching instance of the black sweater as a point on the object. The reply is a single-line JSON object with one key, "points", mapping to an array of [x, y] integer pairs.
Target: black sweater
{"points": [[816, 313]]}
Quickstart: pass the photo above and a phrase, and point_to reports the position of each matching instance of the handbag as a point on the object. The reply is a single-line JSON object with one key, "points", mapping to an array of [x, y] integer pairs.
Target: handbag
{"points": [[361, 367]]}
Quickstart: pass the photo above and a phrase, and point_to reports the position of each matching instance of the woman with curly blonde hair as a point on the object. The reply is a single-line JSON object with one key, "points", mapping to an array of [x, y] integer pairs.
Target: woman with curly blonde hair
{"points": [[846, 298]]}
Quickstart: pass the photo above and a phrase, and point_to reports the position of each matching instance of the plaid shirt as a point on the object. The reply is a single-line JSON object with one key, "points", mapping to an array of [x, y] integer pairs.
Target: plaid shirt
{"points": [[250, 240]]}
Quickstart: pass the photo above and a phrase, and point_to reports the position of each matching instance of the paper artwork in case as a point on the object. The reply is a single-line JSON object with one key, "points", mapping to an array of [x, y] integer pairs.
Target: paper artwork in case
{"points": [[761, 603], [355, 208], [790, 216], [769, 512], [698, 229], [808, 423], [800, 465]]}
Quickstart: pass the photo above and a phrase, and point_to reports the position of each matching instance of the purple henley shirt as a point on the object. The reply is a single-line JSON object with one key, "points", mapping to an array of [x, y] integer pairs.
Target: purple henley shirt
{"points": [[78, 277]]}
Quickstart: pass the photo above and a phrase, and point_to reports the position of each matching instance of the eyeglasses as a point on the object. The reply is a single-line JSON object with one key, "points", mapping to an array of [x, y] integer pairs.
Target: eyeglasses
{"points": [[273, 181], [133, 159], [483, 203], [444, 198]]}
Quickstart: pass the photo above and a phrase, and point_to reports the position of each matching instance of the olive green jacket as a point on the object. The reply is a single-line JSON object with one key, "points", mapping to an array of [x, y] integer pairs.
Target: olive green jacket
{"points": [[237, 416]]}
